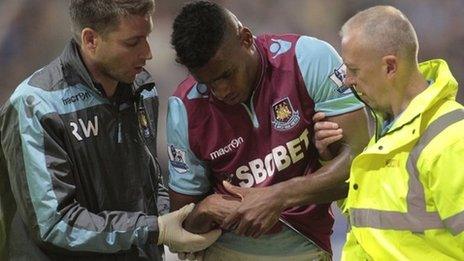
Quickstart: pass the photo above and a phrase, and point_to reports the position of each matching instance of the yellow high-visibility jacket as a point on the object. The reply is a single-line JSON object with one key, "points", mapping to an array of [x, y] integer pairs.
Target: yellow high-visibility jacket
{"points": [[406, 195]]}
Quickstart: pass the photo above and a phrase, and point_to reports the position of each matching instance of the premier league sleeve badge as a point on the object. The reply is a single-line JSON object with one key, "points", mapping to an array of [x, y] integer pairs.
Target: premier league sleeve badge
{"points": [[177, 158]]}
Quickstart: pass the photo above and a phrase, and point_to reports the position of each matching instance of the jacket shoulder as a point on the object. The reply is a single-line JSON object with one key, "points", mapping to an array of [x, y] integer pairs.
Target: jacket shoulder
{"points": [[49, 78]]}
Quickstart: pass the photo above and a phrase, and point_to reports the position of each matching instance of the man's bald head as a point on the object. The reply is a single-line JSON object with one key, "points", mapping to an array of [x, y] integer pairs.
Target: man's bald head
{"points": [[384, 30]]}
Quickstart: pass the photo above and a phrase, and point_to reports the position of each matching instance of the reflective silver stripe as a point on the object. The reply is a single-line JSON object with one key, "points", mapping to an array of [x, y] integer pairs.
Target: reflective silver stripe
{"points": [[455, 223], [417, 219], [392, 220], [416, 196]]}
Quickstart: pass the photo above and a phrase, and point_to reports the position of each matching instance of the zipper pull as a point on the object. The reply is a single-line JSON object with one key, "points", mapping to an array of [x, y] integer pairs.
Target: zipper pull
{"points": [[143, 122], [119, 132]]}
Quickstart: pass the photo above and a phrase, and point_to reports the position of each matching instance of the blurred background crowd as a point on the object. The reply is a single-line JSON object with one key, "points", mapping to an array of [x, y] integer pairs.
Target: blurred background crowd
{"points": [[33, 32]]}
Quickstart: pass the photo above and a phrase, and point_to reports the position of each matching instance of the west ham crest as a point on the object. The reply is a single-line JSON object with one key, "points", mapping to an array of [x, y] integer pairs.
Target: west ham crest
{"points": [[285, 117]]}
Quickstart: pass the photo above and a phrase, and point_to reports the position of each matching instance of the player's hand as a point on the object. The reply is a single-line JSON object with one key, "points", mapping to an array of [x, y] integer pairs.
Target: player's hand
{"points": [[177, 238], [325, 133], [258, 213]]}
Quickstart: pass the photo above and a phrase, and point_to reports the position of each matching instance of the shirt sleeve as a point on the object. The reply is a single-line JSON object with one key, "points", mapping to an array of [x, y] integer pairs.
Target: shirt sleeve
{"points": [[187, 174], [323, 71], [43, 184]]}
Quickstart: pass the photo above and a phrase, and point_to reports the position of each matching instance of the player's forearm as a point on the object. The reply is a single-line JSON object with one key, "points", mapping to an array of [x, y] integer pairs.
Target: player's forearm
{"points": [[196, 221], [325, 185], [199, 222], [210, 212], [339, 191]]}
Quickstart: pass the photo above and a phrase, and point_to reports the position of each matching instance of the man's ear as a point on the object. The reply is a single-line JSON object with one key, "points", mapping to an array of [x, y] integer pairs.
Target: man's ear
{"points": [[89, 39], [391, 65], [246, 37]]}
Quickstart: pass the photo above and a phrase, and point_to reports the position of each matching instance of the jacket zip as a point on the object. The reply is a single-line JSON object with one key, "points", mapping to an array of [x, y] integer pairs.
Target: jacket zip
{"points": [[141, 131]]}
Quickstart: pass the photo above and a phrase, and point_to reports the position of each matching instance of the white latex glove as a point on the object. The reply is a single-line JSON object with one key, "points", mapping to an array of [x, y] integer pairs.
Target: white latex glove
{"points": [[173, 235]]}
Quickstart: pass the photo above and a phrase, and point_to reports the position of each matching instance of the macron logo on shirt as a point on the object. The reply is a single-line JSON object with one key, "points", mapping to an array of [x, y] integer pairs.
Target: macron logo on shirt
{"points": [[233, 144], [279, 47]]}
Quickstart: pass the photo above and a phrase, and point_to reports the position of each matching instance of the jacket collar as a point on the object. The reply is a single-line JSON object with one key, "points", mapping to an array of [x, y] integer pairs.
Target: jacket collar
{"points": [[443, 87]]}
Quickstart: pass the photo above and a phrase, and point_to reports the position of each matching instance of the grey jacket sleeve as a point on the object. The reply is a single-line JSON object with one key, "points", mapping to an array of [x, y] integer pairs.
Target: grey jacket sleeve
{"points": [[163, 202], [7, 206], [43, 186]]}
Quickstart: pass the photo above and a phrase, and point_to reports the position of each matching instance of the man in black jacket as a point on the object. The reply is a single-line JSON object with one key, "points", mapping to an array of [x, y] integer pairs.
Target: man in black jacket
{"points": [[78, 170]]}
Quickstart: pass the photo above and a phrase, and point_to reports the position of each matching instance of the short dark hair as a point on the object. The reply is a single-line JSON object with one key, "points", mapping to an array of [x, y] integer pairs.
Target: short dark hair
{"points": [[103, 15], [198, 31]]}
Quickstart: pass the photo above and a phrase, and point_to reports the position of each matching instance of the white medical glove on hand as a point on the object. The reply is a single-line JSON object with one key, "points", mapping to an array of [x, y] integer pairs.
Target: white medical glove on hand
{"points": [[173, 235]]}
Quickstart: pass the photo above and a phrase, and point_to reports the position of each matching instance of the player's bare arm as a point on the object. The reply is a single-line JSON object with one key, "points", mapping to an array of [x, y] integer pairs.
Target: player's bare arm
{"points": [[333, 174], [209, 211], [261, 207], [325, 134]]}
